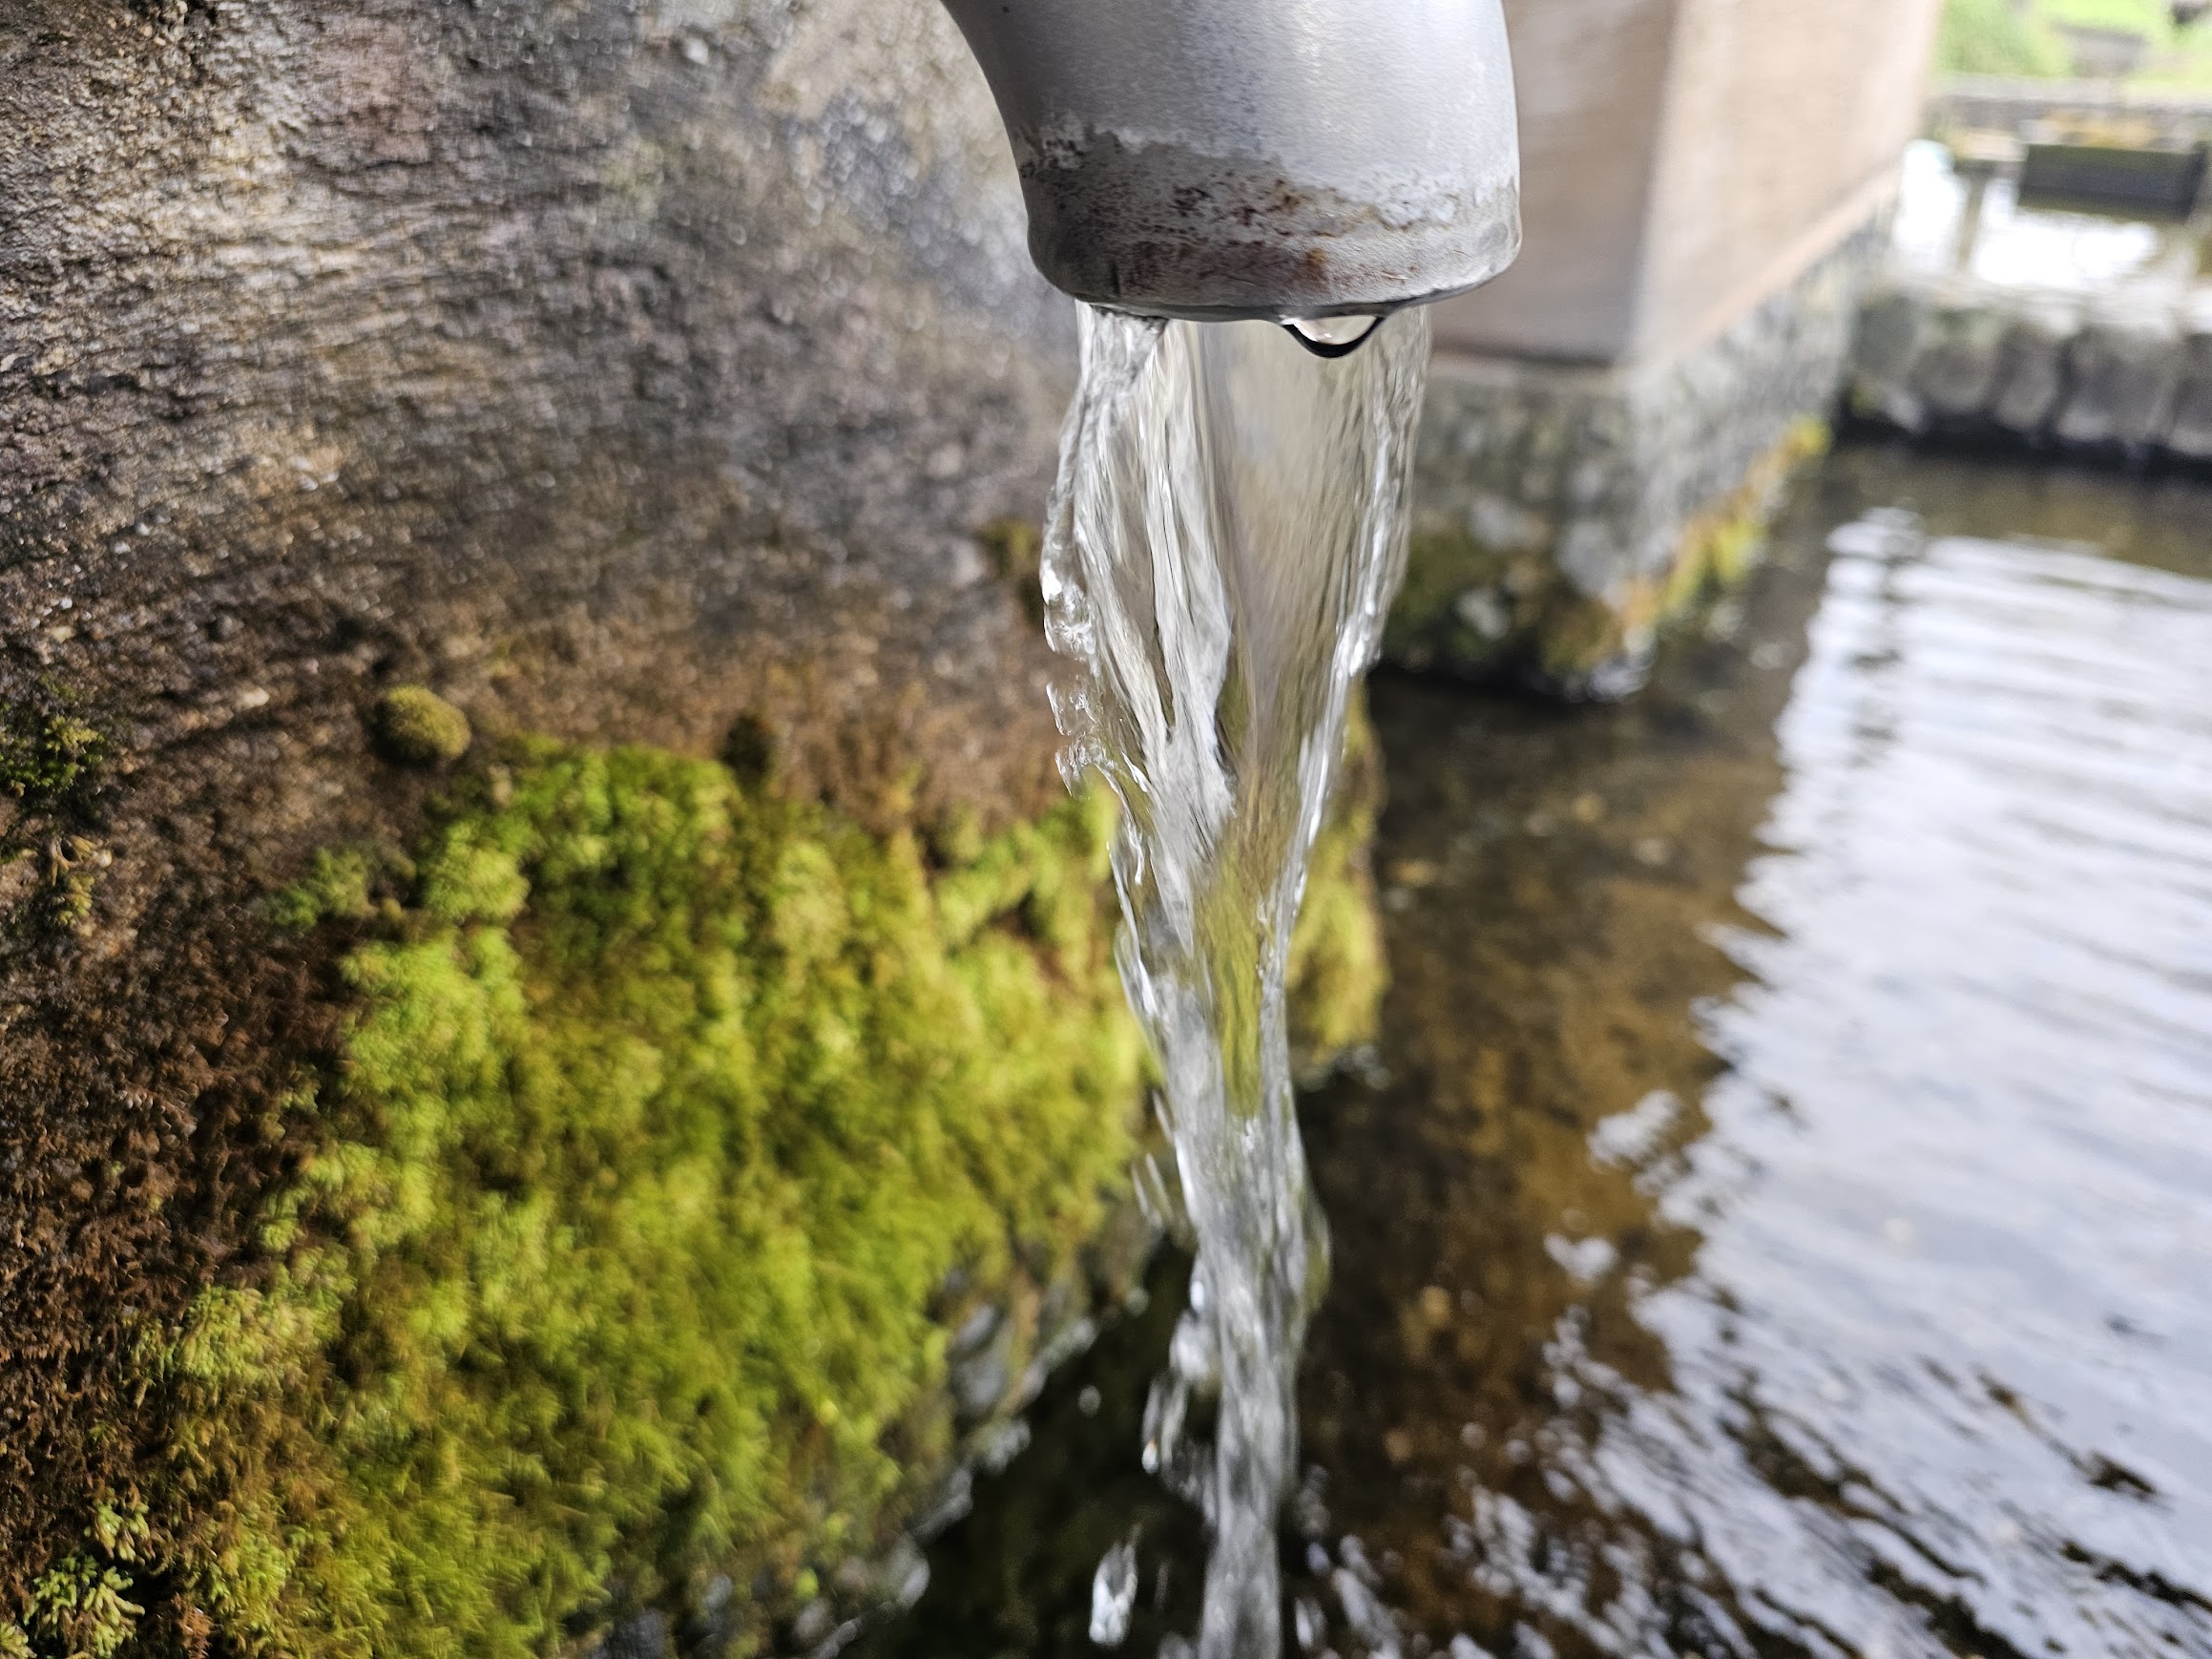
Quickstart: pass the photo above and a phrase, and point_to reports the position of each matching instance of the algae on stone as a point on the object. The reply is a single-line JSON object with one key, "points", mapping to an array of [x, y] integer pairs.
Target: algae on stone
{"points": [[415, 726], [669, 1108], [1487, 611], [673, 1113]]}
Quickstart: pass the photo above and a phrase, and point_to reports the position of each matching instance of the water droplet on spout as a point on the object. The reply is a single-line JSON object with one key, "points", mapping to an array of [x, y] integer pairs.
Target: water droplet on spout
{"points": [[1332, 336]]}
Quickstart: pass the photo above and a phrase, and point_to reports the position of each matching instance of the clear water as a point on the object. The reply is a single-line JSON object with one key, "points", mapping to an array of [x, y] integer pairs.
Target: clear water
{"points": [[1793, 1190], [1222, 542], [1777, 1219], [1332, 336], [1945, 222]]}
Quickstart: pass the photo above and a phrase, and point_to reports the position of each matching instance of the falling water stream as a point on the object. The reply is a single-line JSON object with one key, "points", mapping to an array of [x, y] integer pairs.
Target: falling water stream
{"points": [[1772, 1221], [1222, 543]]}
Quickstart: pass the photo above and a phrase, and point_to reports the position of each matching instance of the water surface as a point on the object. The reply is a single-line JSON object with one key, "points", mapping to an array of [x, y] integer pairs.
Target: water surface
{"points": [[1778, 1217], [1979, 226]]}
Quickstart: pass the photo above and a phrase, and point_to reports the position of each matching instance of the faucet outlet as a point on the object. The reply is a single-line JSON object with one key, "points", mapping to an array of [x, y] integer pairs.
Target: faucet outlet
{"points": [[1283, 159]]}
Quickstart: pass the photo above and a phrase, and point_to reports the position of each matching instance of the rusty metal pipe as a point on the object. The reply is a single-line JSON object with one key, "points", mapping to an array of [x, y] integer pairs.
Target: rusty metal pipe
{"points": [[1261, 159]]}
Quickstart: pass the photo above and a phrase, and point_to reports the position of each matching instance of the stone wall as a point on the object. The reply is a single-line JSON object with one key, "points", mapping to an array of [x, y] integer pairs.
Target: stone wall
{"points": [[1703, 186], [2135, 114], [1950, 357], [618, 372], [1564, 513]]}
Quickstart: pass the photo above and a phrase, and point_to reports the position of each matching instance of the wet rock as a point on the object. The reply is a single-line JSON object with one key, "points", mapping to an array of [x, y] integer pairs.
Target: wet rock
{"points": [[1366, 1616], [1954, 371], [951, 1502], [1964, 357], [1069, 1341], [1884, 352], [2190, 431], [2124, 371], [977, 1329], [1000, 1443], [980, 1382], [2030, 370], [642, 1636], [901, 1575], [814, 1623]]}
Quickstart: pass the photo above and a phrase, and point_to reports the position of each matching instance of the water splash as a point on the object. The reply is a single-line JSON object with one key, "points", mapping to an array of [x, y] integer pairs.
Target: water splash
{"points": [[1223, 539], [1114, 1595]]}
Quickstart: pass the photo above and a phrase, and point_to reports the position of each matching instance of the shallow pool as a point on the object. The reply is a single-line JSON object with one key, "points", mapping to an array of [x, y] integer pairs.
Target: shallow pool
{"points": [[1777, 1216]]}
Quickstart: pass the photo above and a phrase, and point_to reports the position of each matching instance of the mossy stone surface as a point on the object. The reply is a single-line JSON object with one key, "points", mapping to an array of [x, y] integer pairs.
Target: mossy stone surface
{"points": [[677, 1121], [54, 756], [669, 1108], [696, 443], [415, 726], [1489, 613], [46, 750]]}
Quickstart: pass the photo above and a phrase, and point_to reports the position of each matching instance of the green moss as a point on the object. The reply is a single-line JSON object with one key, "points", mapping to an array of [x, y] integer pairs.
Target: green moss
{"points": [[80, 1604], [621, 1262], [415, 726], [669, 1107], [79, 1607], [53, 760], [48, 751]]}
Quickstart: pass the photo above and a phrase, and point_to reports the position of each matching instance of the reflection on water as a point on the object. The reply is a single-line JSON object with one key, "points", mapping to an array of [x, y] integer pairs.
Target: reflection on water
{"points": [[1796, 1190], [1976, 224], [1779, 1216]]}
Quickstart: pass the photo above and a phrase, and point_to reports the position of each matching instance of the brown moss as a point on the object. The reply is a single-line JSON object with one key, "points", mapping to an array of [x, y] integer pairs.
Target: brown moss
{"points": [[136, 1141]]}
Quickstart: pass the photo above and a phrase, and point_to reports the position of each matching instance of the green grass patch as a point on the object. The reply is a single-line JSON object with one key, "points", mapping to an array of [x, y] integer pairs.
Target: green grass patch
{"points": [[1997, 38], [1993, 37]]}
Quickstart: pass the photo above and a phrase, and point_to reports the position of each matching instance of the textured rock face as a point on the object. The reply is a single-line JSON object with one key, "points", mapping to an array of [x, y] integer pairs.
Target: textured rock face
{"points": [[1564, 512], [1953, 356], [545, 346], [609, 369], [2191, 433], [2031, 369], [2125, 372]]}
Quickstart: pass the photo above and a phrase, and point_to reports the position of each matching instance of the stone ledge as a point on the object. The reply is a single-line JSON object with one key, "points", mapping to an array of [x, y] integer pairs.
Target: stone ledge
{"points": [[2119, 376], [1566, 512]]}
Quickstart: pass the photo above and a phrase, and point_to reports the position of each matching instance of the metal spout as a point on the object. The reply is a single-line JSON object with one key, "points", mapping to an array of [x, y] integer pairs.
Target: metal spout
{"points": [[1262, 158]]}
